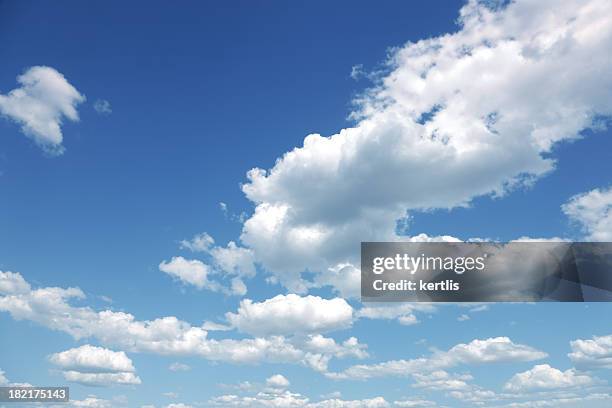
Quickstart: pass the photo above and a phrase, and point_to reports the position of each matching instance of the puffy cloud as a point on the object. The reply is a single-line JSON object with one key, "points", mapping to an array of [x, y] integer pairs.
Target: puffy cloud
{"points": [[291, 314], [190, 271], [546, 377], [40, 105], [233, 262], [97, 366], [593, 211], [492, 350], [592, 353], [3, 379], [12, 283], [462, 115], [277, 381], [92, 359]]}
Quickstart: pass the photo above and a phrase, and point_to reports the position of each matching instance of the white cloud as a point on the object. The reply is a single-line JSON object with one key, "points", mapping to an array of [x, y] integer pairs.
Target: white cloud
{"points": [[592, 353], [12, 283], [3, 379], [96, 366], [593, 211], [102, 379], [199, 243], [40, 105], [404, 312], [92, 359], [462, 115], [233, 262], [546, 377], [179, 367], [492, 350], [277, 381], [463, 318], [441, 380], [190, 271], [291, 314], [103, 107]]}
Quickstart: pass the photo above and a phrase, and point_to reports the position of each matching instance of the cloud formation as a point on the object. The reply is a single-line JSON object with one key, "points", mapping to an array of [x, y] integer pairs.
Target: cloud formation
{"points": [[96, 366], [44, 99], [454, 117], [593, 211]]}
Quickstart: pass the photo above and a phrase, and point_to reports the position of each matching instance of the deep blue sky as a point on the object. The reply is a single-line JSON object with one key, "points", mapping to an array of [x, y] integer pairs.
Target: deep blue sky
{"points": [[201, 92]]}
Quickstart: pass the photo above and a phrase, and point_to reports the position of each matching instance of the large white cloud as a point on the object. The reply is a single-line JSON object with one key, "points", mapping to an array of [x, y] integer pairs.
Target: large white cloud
{"points": [[457, 116], [543, 377], [40, 105], [593, 211], [592, 353], [291, 314]]}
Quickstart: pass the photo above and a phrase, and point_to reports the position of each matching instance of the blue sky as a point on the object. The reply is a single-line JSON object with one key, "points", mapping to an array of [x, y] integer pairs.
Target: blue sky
{"points": [[141, 198]]}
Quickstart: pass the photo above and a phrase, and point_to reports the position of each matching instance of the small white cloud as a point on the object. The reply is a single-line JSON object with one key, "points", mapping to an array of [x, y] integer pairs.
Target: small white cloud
{"points": [[95, 366], [103, 107], [179, 367], [463, 318], [545, 377], [190, 271], [277, 381], [40, 105]]}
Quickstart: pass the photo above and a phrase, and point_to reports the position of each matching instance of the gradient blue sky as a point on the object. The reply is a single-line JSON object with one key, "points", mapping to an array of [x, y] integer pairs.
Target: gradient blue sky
{"points": [[200, 93]]}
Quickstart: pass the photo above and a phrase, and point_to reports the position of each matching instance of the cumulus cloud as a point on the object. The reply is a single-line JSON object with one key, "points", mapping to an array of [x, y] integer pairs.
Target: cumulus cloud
{"points": [[40, 104], [93, 359], [232, 262], [592, 353], [472, 113], [593, 211], [291, 314], [492, 350], [543, 377], [97, 366], [189, 271], [277, 381]]}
